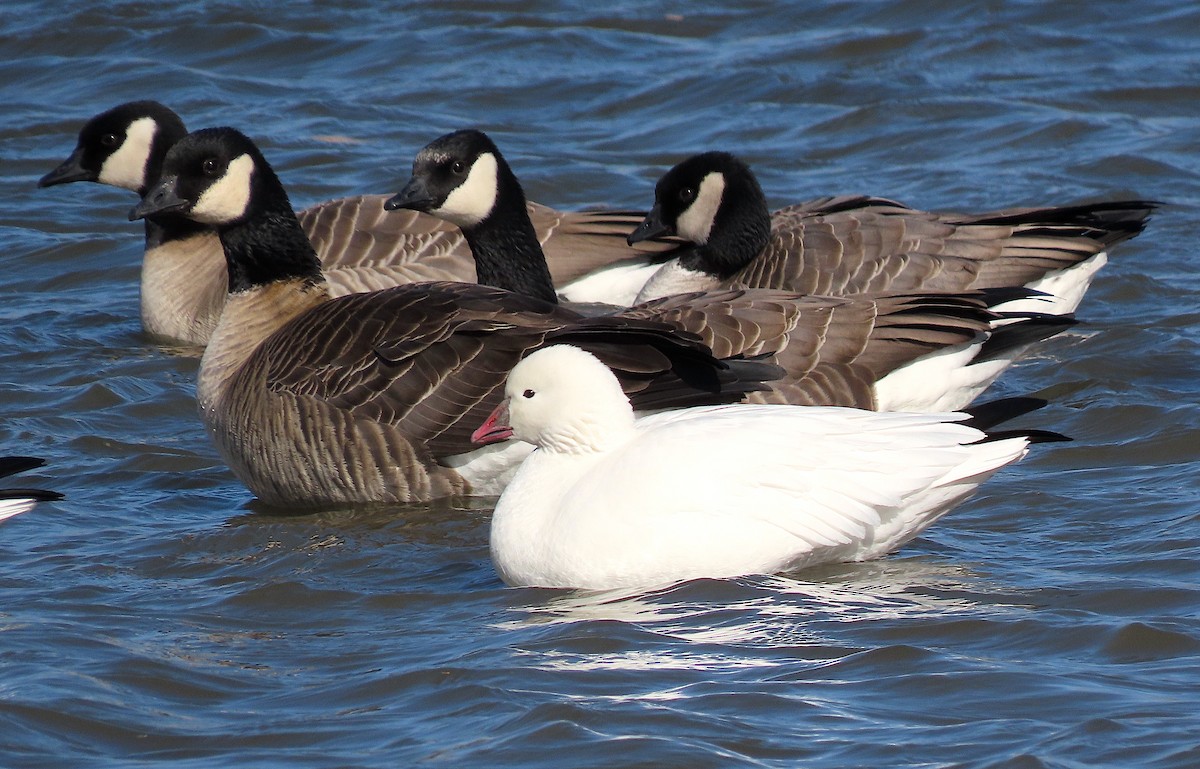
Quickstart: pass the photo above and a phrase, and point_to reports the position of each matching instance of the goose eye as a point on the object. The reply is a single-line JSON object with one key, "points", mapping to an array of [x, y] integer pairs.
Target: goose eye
{"points": [[528, 394], [210, 167], [109, 140], [687, 194], [458, 167]]}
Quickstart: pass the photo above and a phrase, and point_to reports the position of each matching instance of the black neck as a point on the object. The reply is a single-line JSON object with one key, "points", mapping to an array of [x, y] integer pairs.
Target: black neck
{"points": [[506, 248], [740, 233], [267, 248]]}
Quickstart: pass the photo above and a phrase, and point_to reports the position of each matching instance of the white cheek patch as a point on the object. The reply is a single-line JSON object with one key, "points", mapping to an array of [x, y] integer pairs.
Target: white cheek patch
{"points": [[226, 199], [472, 201], [696, 222], [126, 168]]}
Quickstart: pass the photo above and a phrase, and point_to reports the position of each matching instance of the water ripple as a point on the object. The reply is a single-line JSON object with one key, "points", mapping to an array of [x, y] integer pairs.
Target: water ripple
{"points": [[158, 615]]}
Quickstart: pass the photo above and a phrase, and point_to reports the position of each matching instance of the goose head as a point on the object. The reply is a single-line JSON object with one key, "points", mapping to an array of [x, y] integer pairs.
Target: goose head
{"points": [[462, 177], [123, 147], [563, 399], [215, 176], [218, 177], [711, 200], [459, 177]]}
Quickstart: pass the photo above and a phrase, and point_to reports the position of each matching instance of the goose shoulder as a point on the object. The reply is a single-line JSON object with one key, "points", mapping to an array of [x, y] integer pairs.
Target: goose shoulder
{"points": [[429, 358]]}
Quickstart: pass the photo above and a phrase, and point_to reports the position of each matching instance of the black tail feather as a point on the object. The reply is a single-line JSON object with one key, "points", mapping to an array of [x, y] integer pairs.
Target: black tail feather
{"points": [[40, 495], [1108, 222], [1033, 327], [14, 465], [1033, 436], [984, 416], [991, 413]]}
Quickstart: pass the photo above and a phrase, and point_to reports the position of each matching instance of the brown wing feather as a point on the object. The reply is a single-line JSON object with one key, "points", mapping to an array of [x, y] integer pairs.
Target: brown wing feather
{"points": [[853, 245], [430, 359], [833, 349], [366, 248]]}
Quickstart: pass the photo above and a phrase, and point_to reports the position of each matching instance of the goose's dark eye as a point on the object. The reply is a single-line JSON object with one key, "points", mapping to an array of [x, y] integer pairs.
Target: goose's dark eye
{"points": [[687, 194], [528, 394], [109, 140], [458, 167], [210, 167]]}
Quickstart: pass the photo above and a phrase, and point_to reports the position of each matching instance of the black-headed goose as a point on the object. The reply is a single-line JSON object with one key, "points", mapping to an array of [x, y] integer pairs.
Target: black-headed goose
{"points": [[17, 501], [362, 247], [850, 245], [916, 352], [372, 397], [609, 500]]}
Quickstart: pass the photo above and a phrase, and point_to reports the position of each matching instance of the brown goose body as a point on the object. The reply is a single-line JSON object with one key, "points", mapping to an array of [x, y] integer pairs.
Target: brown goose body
{"points": [[370, 397], [316, 401], [895, 248], [835, 351], [840, 351], [857, 244]]}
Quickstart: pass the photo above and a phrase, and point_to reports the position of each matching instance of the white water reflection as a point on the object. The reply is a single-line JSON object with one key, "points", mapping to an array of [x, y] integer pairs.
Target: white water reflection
{"points": [[730, 624]]}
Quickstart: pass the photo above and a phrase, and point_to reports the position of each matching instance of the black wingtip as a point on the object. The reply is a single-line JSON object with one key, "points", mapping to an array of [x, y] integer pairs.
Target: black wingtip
{"points": [[1033, 436], [986, 415], [1029, 328], [991, 413], [18, 464], [41, 495]]}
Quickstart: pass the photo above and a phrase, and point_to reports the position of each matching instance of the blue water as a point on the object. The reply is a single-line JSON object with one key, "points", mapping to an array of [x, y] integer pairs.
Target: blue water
{"points": [[158, 617]]}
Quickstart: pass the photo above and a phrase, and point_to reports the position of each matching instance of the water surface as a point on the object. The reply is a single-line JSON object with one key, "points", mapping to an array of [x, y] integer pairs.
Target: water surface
{"points": [[158, 616]]}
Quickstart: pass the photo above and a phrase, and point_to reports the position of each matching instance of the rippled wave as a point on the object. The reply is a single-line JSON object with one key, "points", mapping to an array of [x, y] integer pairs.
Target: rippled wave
{"points": [[158, 615]]}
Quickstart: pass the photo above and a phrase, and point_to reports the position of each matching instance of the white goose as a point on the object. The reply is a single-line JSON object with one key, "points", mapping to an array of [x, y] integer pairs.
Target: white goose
{"points": [[17, 501], [608, 500]]}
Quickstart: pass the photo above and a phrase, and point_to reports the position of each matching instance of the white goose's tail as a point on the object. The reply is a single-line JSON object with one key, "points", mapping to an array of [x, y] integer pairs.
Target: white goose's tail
{"points": [[17, 501]]}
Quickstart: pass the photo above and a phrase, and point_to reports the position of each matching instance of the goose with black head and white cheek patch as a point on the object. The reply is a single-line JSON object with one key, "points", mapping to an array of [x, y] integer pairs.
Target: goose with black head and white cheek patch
{"points": [[851, 245], [183, 271], [361, 247], [317, 402], [14, 501], [888, 352], [608, 500]]}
